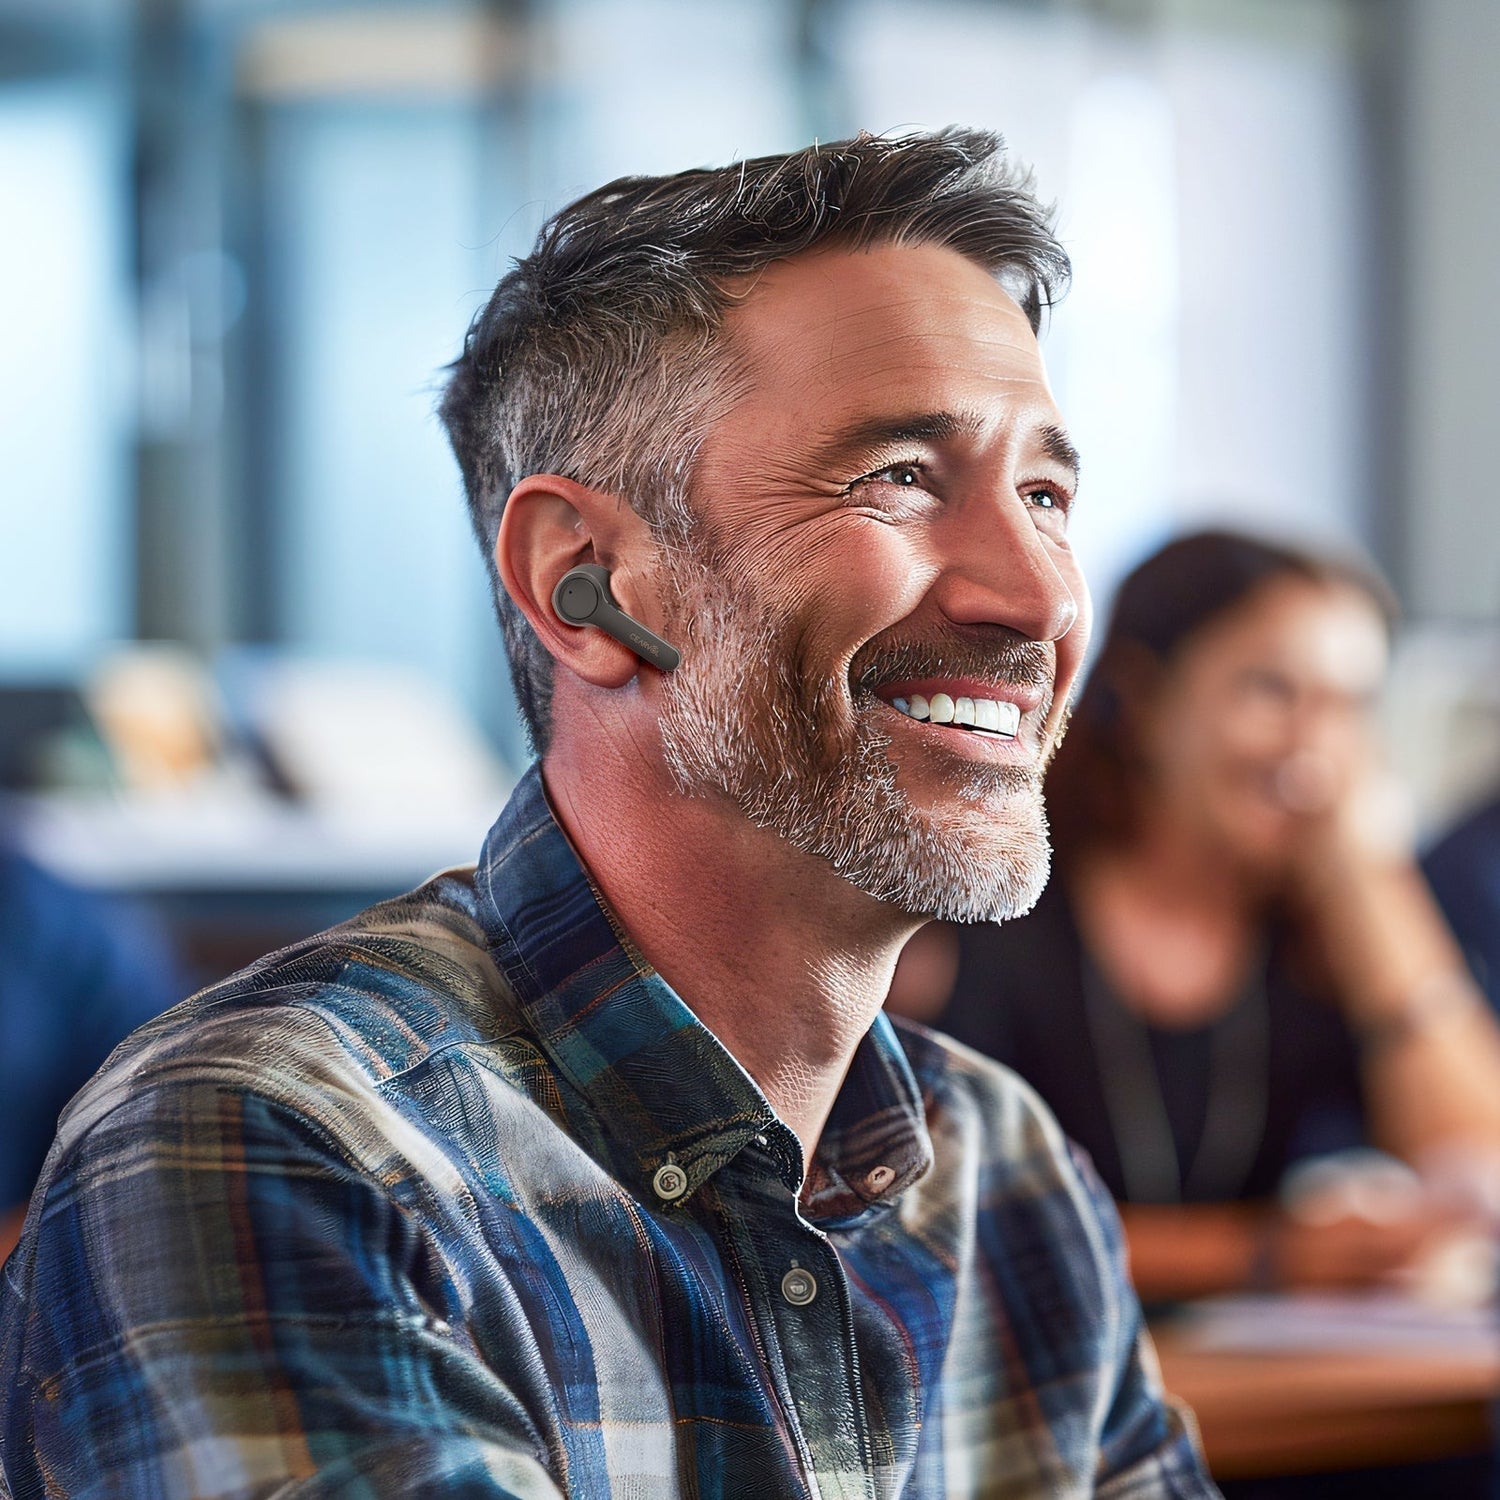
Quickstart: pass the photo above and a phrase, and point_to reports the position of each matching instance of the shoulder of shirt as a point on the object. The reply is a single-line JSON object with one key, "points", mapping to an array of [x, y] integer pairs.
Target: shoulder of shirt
{"points": [[345, 1013], [989, 1124], [1017, 1130]]}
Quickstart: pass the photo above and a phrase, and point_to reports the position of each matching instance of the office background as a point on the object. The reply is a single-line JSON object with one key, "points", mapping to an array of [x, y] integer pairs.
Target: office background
{"points": [[241, 238]]}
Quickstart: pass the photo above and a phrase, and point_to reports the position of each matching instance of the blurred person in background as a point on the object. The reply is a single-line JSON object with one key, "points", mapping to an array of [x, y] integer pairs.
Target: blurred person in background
{"points": [[598, 1169], [77, 974], [1236, 966], [1463, 868]]}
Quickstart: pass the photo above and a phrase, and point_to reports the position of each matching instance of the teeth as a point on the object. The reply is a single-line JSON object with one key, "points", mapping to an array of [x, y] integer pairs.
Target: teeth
{"points": [[983, 714]]}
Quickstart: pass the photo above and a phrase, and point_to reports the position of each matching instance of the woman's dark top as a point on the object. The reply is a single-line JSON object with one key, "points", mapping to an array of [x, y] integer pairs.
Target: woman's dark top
{"points": [[1273, 1081], [1464, 870]]}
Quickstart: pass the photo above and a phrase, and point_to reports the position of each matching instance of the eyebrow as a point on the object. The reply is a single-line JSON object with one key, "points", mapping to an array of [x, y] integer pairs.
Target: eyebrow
{"points": [[934, 427], [1057, 445], [887, 432]]}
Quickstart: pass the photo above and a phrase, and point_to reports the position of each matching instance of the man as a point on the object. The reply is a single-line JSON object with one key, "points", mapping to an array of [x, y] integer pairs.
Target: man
{"points": [[597, 1171]]}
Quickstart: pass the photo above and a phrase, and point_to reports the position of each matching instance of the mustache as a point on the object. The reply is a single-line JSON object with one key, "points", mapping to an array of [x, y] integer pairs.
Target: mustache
{"points": [[997, 655]]}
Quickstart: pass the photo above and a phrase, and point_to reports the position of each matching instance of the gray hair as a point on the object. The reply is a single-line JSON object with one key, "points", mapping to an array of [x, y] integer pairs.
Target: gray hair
{"points": [[599, 356]]}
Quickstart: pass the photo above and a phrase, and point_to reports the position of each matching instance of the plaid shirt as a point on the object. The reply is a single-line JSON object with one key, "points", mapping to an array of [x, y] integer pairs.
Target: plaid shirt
{"points": [[460, 1199]]}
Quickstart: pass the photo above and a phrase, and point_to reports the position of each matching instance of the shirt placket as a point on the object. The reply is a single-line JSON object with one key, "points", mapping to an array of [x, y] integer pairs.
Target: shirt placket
{"points": [[799, 1297]]}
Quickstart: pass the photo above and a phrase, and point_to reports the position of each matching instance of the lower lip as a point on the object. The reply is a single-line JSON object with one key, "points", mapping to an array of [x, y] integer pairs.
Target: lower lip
{"points": [[963, 742]]}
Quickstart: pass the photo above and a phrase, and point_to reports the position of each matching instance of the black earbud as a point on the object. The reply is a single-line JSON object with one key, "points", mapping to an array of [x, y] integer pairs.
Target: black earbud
{"points": [[582, 597]]}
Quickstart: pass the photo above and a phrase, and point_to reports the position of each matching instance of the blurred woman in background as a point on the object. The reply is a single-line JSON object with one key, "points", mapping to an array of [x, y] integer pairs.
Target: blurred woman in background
{"points": [[1236, 965]]}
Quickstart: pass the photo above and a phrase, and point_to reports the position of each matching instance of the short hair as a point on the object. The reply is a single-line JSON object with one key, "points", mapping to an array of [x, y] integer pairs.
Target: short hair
{"points": [[599, 357], [1163, 605]]}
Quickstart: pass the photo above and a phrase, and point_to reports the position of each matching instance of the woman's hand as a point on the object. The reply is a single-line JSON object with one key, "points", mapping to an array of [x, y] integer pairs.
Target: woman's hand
{"points": [[1199, 1250], [1353, 1251], [1356, 821], [1430, 1053]]}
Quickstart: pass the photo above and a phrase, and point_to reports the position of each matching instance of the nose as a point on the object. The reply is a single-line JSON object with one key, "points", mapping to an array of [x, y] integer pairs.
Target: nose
{"points": [[1002, 570]]}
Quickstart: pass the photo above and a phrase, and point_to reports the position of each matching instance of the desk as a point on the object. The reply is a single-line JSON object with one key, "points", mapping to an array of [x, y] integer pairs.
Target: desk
{"points": [[1300, 1411], [234, 878]]}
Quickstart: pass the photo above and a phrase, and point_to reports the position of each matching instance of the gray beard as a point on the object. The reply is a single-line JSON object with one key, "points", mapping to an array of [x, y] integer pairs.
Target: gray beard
{"points": [[739, 719]]}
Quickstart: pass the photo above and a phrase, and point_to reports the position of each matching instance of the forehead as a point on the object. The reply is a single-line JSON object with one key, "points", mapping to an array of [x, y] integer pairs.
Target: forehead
{"points": [[1329, 632], [827, 335]]}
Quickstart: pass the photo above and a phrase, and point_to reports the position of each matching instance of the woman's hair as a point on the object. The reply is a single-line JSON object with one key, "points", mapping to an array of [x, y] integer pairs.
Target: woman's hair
{"points": [[1093, 787]]}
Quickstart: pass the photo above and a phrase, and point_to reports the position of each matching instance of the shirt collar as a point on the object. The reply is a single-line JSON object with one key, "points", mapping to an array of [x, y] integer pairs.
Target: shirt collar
{"points": [[660, 1081]]}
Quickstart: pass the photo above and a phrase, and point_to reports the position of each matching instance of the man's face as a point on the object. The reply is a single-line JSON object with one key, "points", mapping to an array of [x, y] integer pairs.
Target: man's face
{"points": [[883, 523]]}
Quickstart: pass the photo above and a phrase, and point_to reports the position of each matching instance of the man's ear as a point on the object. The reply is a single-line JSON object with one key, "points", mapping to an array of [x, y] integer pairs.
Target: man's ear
{"points": [[551, 524]]}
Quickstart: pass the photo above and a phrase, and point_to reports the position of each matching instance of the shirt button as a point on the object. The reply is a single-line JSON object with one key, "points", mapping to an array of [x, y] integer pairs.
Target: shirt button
{"points": [[799, 1287], [879, 1179], [670, 1182]]}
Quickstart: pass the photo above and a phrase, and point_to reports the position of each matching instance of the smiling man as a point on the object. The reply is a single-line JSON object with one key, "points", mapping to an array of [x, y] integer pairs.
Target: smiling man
{"points": [[598, 1170]]}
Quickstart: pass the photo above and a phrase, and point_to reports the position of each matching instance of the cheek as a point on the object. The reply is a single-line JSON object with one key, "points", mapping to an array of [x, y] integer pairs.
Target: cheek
{"points": [[1196, 753], [1198, 761], [855, 579], [1254, 730], [1348, 741], [894, 576]]}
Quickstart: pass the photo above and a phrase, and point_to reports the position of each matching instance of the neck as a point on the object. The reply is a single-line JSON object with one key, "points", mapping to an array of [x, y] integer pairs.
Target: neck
{"points": [[1174, 867], [786, 963], [1171, 924]]}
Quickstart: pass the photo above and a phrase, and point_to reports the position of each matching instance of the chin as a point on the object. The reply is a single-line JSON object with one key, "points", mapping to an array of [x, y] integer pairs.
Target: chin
{"points": [[1266, 852], [969, 866], [972, 849]]}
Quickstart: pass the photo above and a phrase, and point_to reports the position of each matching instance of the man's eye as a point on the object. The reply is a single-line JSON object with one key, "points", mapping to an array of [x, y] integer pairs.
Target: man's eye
{"points": [[907, 476], [1045, 499]]}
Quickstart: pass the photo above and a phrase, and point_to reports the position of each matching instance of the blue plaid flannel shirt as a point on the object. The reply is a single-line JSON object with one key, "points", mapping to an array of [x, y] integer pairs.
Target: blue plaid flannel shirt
{"points": [[385, 1215]]}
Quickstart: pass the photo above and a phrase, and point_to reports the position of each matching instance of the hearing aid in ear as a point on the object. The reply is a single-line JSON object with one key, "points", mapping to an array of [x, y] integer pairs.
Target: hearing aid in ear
{"points": [[582, 597]]}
